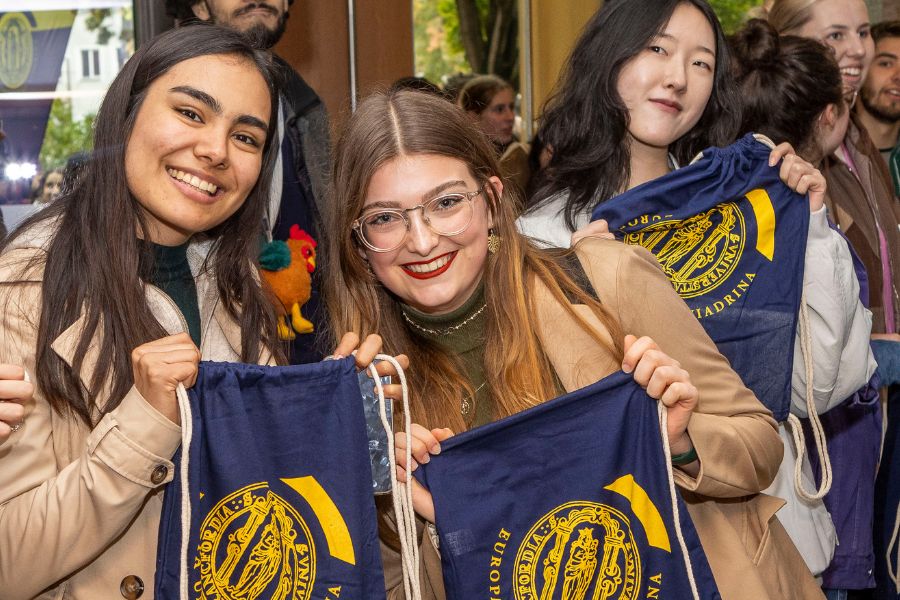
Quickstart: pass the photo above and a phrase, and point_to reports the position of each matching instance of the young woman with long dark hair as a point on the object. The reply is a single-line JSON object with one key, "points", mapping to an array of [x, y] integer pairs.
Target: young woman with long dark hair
{"points": [[427, 255], [113, 294]]}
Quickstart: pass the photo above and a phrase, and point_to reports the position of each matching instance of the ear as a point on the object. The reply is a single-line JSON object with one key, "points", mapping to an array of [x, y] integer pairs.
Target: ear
{"points": [[201, 10], [495, 189], [829, 116]]}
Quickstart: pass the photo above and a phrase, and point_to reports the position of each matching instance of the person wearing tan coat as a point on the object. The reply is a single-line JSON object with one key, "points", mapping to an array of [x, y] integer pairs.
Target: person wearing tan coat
{"points": [[111, 296], [428, 255]]}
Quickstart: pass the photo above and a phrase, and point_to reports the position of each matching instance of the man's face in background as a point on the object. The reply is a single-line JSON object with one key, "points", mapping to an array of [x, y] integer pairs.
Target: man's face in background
{"points": [[880, 93], [261, 21]]}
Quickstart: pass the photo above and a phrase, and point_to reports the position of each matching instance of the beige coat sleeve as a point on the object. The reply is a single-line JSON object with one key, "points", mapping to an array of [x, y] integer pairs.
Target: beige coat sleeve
{"points": [[735, 436], [56, 515]]}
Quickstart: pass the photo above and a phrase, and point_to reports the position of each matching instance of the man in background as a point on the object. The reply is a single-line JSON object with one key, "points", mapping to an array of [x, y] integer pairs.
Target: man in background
{"points": [[879, 105]]}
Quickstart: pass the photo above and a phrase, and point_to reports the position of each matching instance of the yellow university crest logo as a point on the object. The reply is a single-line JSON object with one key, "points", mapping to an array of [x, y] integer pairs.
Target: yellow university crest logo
{"points": [[254, 544], [16, 50]]}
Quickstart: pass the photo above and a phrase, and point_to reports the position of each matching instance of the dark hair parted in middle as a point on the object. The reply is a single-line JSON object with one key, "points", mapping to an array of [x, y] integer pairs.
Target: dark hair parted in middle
{"points": [[94, 259], [785, 83], [586, 121]]}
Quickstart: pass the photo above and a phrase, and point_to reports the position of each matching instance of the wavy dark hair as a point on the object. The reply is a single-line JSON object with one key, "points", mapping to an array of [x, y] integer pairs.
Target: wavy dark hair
{"points": [[585, 122], [93, 261], [797, 75]]}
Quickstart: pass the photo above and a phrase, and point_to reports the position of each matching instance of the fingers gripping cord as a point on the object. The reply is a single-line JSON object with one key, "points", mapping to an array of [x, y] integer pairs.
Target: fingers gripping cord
{"points": [[815, 422], [663, 419], [187, 431], [401, 493]]}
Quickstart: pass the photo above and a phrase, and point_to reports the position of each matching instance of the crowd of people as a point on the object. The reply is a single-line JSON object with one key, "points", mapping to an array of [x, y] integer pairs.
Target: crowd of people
{"points": [[440, 236]]}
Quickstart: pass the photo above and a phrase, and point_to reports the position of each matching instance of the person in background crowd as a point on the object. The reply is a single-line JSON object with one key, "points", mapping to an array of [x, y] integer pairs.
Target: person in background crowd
{"points": [[427, 253], [879, 98], [298, 190], [801, 77], [491, 103], [455, 83], [51, 185]]}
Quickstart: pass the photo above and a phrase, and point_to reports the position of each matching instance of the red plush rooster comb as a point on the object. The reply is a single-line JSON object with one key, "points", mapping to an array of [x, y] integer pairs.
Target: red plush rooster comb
{"points": [[299, 234]]}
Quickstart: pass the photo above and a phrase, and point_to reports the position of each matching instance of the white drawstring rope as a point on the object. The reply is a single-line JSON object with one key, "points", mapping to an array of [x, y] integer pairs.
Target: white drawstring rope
{"points": [[894, 572], [663, 420], [401, 493], [815, 422], [187, 431]]}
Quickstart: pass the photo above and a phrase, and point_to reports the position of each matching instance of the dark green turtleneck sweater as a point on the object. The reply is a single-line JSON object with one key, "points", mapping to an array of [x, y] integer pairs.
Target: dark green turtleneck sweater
{"points": [[460, 333], [172, 274]]}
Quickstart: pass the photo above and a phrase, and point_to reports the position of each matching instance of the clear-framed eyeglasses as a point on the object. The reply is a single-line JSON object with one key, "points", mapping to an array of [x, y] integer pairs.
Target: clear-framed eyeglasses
{"points": [[385, 229]]}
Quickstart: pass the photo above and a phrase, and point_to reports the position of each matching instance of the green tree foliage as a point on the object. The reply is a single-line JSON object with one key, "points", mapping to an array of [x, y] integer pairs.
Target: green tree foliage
{"points": [[478, 36], [65, 136], [733, 13]]}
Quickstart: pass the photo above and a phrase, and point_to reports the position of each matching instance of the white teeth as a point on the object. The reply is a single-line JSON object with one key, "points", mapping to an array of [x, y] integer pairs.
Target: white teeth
{"points": [[431, 266], [852, 71], [209, 188]]}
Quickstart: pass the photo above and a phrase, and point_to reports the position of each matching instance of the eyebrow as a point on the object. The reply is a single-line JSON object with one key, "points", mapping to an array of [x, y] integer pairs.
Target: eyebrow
{"points": [[674, 39], [214, 105], [425, 197], [886, 55]]}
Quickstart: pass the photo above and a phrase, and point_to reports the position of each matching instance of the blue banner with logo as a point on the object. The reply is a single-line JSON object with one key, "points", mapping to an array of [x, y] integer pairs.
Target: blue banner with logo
{"points": [[32, 48], [731, 237], [280, 488], [570, 500]]}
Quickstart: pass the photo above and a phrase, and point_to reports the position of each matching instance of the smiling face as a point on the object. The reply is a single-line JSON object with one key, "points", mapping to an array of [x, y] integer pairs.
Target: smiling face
{"points": [[880, 93], [433, 273], [196, 149], [498, 119], [666, 86], [844, 26]]}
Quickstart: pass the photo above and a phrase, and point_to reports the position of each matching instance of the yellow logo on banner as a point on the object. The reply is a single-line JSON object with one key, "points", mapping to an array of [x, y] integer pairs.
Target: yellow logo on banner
{"points": [[16, 50], [255, 545]]}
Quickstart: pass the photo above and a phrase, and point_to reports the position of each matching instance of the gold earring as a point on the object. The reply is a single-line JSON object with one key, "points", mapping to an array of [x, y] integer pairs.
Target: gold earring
{"points": [[493, 242]]}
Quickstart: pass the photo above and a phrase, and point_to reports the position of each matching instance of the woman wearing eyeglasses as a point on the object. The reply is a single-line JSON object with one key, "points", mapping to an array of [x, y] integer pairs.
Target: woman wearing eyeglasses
{"points": [[426, 252]]}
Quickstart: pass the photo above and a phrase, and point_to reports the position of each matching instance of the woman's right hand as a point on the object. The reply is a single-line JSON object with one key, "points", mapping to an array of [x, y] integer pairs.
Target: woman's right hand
{"points": [[14, 393], [425, 443], [159, 366]]}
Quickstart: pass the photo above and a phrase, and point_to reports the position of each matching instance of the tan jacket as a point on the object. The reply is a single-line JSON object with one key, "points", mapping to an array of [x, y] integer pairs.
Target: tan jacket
{"points": [[734, 434], [79, 506]]}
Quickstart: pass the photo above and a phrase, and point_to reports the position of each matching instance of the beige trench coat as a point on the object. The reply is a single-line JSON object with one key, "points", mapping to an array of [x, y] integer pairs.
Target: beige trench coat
{"points": [[80, 506], [751, 555]]}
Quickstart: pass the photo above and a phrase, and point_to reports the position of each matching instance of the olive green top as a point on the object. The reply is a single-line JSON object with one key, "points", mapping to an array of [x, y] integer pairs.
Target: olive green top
{"points": [[172, 274], [461, 334]]}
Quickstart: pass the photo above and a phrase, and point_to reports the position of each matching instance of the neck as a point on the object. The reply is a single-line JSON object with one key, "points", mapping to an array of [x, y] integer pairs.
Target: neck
{"points": [[884, 134], [647, 163]]}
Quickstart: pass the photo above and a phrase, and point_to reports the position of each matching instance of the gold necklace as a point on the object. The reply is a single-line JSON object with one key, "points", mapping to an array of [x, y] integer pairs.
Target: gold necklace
{"points": [[441, 332]]}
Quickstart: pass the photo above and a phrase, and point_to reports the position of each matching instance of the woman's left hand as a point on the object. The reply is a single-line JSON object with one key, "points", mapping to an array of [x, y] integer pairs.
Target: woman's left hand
{"points": [[365, 354], [799, 175], [664, 379]]}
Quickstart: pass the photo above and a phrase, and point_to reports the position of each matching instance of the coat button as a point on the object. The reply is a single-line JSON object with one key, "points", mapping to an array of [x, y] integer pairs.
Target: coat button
{"points": [[132, 587], [159, 474]]}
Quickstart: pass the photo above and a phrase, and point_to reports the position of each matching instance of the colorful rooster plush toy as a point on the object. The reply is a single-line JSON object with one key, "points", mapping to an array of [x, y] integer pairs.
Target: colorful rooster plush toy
{"points": [[287, 267]]}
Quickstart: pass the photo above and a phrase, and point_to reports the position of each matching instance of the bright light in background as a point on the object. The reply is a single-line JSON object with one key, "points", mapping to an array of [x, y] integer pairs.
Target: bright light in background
{"points": [[25, 170]]}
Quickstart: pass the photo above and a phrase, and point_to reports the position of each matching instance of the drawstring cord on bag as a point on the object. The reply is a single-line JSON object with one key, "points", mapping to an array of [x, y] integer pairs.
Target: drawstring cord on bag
{"points": [[815, 422], [401, 493], [187, 432], [663, 420]]}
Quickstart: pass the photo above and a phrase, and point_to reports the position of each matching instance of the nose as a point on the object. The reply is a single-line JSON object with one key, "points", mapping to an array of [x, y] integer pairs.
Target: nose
{"points": [[856, 47], [212, 147], [420, 238], [675, 75]]}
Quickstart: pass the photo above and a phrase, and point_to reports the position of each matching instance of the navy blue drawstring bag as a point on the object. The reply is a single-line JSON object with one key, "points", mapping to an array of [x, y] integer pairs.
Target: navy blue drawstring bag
{"points": [[281, 503], [571, 499], [731, 237]]}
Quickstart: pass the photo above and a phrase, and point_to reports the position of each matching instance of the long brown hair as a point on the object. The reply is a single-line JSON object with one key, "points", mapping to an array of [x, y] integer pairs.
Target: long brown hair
{"points": [[92, 264], [519, 374]]}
